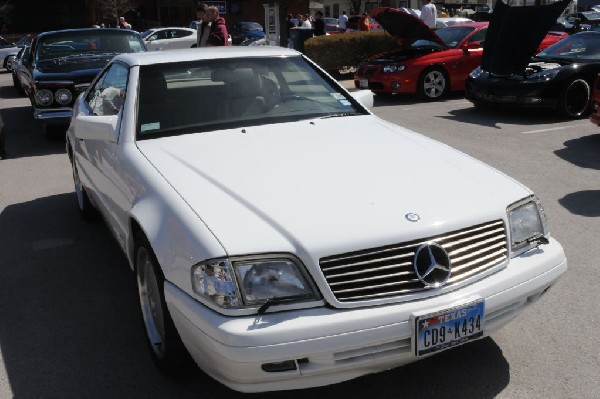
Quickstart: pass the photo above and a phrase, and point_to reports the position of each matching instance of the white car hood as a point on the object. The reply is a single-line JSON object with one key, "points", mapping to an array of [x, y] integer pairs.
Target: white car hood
{"points": [[322, 187]]}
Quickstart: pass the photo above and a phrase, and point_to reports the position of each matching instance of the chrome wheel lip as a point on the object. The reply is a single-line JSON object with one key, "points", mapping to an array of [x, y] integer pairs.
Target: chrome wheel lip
{"points": [[577, 98], [151, 303]]}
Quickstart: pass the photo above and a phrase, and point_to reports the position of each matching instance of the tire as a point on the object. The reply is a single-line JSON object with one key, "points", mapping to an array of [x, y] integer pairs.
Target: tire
{"points": [[86, 209], [574, 101], [166, 348], [433, 84], [8, 64]]}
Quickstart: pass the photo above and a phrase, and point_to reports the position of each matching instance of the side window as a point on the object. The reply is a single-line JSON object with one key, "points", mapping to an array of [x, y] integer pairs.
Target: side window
{"points": [[108, 93], [479, 37], [182, 33]]}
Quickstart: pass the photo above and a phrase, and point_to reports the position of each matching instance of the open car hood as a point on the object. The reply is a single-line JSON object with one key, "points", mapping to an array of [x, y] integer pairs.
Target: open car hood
{"points": [[515, 33], [404, 25]]}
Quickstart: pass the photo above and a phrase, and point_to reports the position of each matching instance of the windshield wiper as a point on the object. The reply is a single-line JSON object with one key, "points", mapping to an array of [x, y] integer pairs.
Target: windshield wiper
{"points": [[340, 114]]}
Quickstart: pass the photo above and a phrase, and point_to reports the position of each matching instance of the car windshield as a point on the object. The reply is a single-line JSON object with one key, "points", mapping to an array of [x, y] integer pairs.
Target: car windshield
{"points": [[209, 95], [584, 47], [76, 43], [148, 33], [453, 36]]}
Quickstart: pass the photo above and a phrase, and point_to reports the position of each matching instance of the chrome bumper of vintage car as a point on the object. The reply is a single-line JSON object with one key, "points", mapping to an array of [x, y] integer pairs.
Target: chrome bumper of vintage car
{"points": [[320, 346], [53, 115]]}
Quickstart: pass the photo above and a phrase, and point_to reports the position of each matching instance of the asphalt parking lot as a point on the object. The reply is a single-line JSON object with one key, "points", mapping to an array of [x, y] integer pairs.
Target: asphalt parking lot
{"points": [[69, 319]]}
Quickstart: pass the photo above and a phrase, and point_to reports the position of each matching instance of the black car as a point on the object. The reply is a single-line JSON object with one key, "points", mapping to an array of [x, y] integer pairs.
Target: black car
{"points": [[62, 64], [560, 77]]}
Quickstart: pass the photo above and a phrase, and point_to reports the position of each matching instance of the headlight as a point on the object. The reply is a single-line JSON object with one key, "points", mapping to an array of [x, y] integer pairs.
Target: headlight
{"points": [[475, 73], [44, 97], [527, 225], [543, 75], [393, 68], [63, 96], [249, 282]]}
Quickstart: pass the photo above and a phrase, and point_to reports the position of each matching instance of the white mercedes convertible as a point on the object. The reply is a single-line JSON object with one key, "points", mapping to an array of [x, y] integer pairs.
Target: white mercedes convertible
{"points": [[284, 236]]}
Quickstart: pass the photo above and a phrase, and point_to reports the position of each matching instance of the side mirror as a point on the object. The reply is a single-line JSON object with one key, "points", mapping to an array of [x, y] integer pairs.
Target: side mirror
{"points": [[365, 97], [472, 46], [96, 127]]}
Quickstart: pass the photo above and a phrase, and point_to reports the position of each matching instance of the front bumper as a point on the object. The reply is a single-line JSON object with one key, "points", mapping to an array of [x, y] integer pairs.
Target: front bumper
{"points": [[53, 116], [498, 91], [333, 345], [387, 83]]}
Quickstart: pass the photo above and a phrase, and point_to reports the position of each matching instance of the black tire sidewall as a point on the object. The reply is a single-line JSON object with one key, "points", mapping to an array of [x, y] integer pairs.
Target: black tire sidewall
{"points": [[562, 103]]}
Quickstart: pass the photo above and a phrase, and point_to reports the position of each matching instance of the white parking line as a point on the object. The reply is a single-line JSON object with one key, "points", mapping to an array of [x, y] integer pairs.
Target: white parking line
{"points": [[553, 128]]}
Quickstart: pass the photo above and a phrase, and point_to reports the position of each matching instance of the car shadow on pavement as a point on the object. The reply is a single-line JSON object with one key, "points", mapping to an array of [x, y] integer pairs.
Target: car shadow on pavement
{"points": [[493, 117], [24, 137], [71, 327], [386, 100], [10, 92], [582, 151], [583, 203]]}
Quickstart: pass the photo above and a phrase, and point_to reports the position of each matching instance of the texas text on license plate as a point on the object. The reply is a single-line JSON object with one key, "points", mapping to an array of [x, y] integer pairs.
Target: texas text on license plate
{"points": [[448, 328], [364, 83]]}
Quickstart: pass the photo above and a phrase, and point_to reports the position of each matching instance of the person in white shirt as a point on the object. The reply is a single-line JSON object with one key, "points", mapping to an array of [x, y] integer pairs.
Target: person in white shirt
{"points": [[343, 21], [306, 22], [429, 13]]}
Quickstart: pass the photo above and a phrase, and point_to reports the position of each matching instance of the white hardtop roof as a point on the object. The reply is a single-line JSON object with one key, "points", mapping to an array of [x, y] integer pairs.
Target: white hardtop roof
{"points": [[193, 54]]}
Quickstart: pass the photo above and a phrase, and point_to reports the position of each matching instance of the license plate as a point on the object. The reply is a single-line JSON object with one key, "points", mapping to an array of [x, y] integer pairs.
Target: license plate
{"points": [[448, 328], [364, 83]]}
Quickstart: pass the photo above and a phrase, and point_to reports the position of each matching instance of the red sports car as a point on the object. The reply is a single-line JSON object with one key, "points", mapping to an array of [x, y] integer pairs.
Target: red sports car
{"points": [[428, 63]]}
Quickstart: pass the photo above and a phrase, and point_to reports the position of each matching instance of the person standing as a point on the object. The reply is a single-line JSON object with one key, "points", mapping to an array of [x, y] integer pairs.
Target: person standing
{"points": [[429, 13], [319, 24], [203, 26], [364, 25], [306, 22], [343, 21], [218, 30]]}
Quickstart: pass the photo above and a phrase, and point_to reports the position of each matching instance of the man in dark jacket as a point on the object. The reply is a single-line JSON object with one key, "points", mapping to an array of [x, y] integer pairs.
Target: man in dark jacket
{"points": [[319, 24], [203, 26], [218, 31]]}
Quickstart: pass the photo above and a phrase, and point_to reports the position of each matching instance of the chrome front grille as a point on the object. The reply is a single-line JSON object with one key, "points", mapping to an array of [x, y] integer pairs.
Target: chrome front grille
{"points": [[388, 271]]}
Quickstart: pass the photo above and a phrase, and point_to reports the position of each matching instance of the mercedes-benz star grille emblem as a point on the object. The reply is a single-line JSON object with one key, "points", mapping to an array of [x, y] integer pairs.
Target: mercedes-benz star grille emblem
{"points": [[432, 264]]}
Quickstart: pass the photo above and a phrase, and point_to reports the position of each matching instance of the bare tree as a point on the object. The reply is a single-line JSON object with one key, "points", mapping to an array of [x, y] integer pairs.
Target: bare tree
{"points": [[5, 7], [115, 8], [355, 6]]}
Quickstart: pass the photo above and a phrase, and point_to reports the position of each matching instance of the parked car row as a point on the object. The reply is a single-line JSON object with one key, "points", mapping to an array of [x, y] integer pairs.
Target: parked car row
{"points": [[429, 63]]}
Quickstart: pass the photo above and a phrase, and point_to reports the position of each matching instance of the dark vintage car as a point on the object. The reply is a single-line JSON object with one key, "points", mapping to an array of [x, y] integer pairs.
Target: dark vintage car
{"points": [[560, 77], [62, 64], [17, 67]]}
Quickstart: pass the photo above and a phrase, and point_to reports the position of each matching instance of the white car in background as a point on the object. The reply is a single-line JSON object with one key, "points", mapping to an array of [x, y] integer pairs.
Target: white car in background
{"points": [[449, 21], [8, 53], [169, 38], [284, 236]]}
